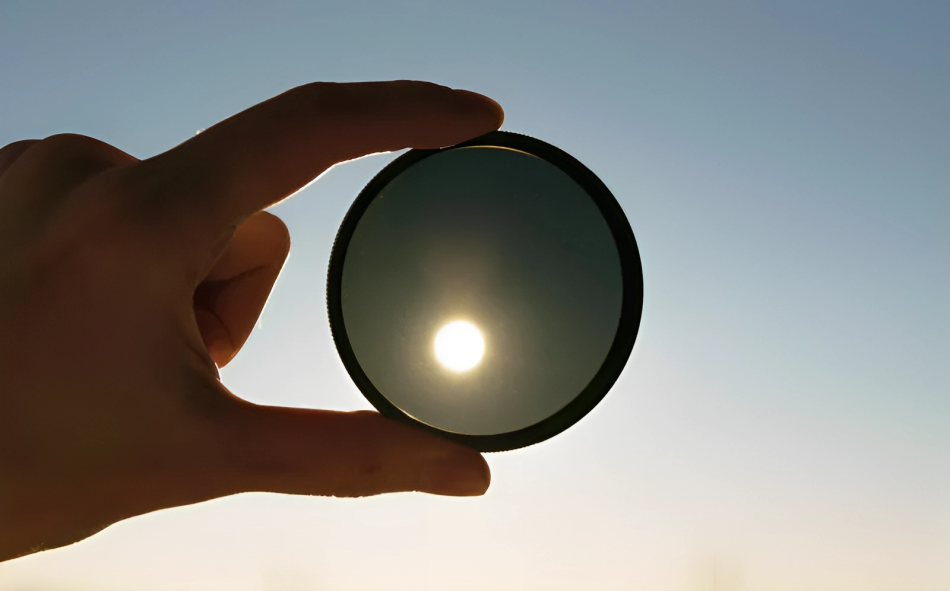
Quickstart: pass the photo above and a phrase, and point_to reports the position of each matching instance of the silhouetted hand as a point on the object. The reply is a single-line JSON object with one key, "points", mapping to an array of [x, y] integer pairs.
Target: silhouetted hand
{"points": [[123, 283]]}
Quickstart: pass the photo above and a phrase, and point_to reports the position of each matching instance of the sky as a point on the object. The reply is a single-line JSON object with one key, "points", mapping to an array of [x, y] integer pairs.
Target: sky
{"points": [[785, 166]]}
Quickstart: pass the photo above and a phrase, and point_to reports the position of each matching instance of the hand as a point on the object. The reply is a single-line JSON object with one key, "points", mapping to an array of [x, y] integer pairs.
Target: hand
{"points": [[124, 283]]}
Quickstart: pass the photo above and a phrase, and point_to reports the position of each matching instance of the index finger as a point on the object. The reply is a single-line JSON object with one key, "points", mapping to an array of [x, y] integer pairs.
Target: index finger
{"points": [[264, 154]]}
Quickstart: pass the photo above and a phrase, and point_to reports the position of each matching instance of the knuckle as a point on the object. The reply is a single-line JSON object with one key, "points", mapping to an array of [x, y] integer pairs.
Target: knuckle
{"points": [[48, 190], [16, 143], [76, 151], [65, 145], [59, 164], [17, 147], [12, 152]]}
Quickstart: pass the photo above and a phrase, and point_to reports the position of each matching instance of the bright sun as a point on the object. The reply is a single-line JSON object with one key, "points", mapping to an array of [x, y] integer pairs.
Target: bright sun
{"points": [[459, 345]]}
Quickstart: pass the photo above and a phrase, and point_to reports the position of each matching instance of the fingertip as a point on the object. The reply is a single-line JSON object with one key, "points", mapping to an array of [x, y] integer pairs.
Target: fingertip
{"points": [[464, 473], [492, 111], [10, 152]]}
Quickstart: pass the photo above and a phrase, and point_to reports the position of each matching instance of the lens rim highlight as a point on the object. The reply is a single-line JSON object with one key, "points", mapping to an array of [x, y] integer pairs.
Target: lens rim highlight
{"points": [[630, 313]]}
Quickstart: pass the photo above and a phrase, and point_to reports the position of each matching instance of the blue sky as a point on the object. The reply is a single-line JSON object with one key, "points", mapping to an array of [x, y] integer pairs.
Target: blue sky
{"points": [[786, 169]]}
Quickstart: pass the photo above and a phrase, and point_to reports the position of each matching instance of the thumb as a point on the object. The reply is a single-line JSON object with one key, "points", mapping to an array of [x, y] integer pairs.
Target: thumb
{"points": [[345, 454]]}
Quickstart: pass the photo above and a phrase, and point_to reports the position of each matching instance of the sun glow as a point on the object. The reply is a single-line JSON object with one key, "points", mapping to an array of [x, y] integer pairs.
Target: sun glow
{"points": [[459, 345]]}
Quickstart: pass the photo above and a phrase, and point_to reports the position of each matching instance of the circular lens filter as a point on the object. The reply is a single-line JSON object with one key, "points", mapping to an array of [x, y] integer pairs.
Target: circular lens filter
{"points": [[489, 291]]}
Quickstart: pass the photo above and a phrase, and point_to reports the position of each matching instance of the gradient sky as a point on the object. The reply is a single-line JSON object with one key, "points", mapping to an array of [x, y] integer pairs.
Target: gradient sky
{"points": [[784, 421]]}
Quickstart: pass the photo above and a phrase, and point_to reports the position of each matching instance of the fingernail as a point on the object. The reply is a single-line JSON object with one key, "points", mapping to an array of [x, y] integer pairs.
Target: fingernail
{"points": [[458, 476]]}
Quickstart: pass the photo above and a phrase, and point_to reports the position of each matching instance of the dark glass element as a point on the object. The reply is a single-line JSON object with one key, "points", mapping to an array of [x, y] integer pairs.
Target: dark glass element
{"points": [[517, 240]]}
